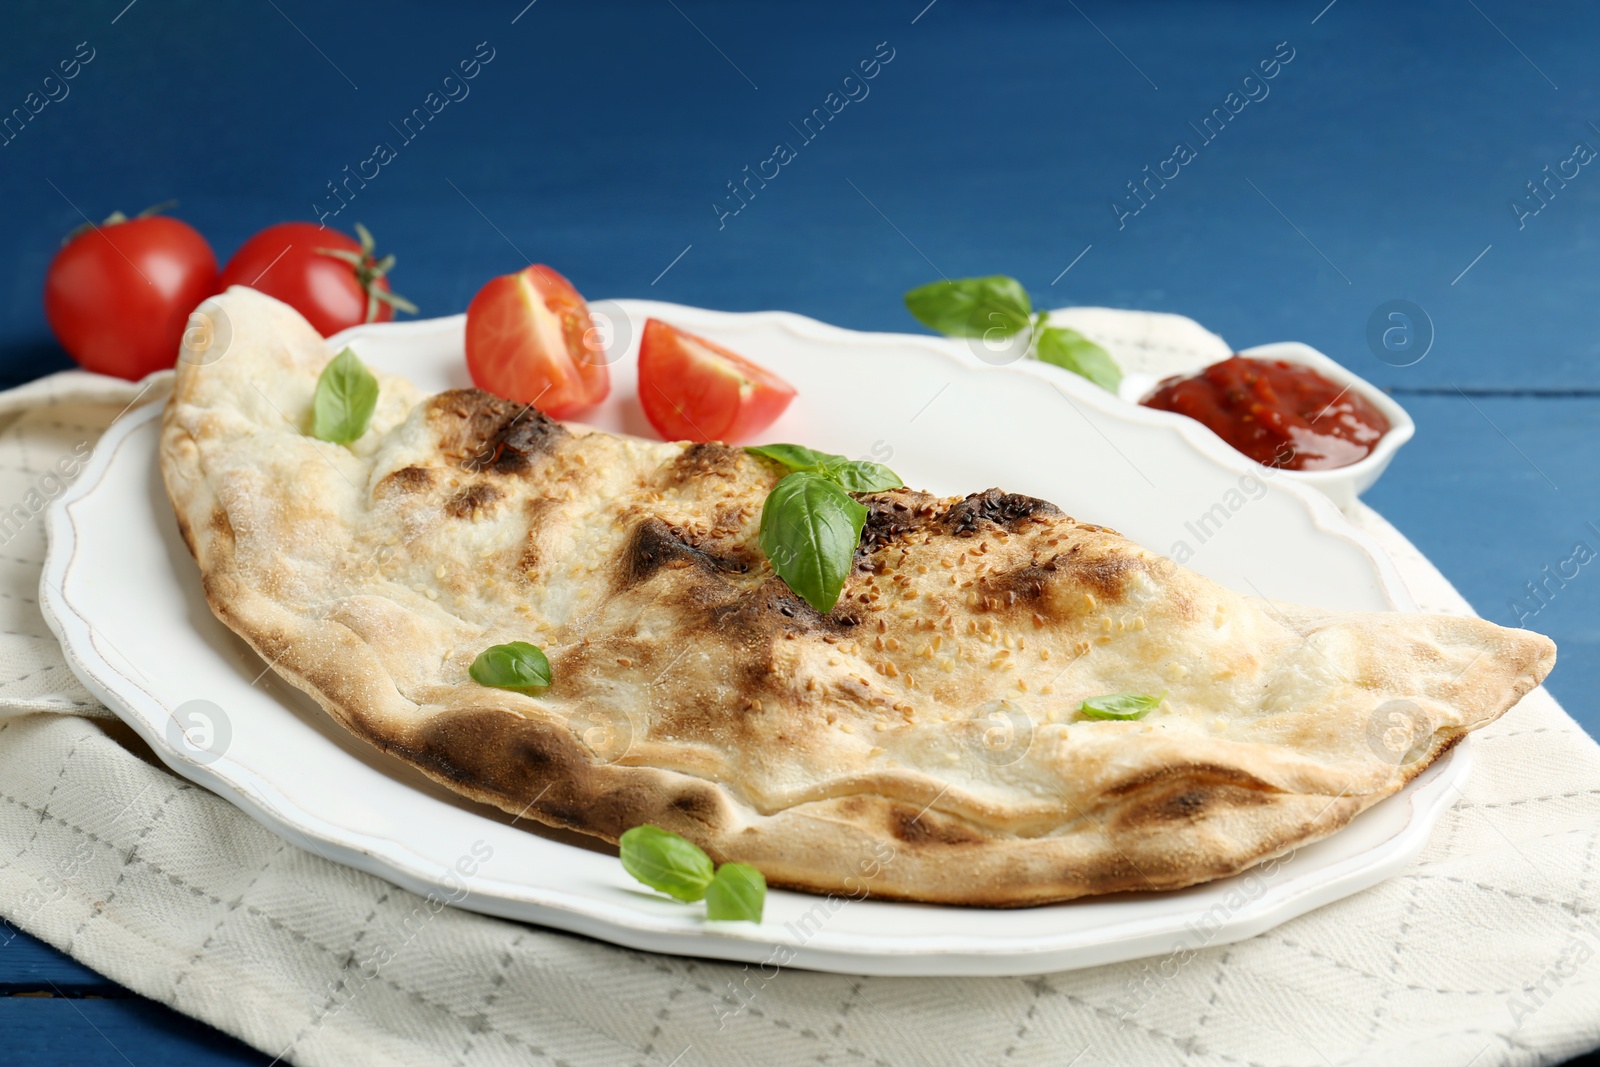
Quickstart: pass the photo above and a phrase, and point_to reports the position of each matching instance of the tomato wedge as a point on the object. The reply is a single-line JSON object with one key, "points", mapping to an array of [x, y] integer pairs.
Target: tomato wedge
{"points": [[530, 339], [694, 390]]}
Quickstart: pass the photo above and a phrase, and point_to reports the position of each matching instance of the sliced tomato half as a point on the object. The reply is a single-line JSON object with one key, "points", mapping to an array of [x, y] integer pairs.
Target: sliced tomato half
{"points": [[530, 339], [694, 390]]}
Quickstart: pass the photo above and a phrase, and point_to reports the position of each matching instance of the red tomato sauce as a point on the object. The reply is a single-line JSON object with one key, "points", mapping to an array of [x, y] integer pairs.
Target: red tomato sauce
{"points": [[1278, 413]]}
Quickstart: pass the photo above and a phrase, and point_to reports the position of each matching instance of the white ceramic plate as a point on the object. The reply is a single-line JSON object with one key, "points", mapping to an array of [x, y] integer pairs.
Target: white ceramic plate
{"points": [[123, 594]]}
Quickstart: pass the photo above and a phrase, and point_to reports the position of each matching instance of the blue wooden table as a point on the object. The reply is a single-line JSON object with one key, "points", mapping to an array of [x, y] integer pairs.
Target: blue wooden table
{"points": [[1424, 153]]}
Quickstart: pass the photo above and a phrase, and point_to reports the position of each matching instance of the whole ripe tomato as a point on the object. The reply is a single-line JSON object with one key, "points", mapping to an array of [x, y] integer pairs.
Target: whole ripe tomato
{"points": [[118, 295], [335, 281], [530, 339], [694, 390]]}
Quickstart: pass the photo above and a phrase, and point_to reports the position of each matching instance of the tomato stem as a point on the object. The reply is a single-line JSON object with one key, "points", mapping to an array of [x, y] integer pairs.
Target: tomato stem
{"points": [[369, 270], [114, 219]]}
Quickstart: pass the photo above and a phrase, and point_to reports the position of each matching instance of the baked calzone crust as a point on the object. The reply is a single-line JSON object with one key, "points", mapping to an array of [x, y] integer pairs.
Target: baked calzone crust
{"points": [[936, 706]]}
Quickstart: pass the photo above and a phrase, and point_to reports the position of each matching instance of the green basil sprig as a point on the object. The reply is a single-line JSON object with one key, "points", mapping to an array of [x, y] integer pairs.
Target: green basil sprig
{"points": [[995, 307], [666, 862], [809, 530], [1072, 351], [851, 475], [809, 525], [972, 307], [1121, 707], [346, 397], [738, 893], [795, 457], [679, 868], [517, 665]]}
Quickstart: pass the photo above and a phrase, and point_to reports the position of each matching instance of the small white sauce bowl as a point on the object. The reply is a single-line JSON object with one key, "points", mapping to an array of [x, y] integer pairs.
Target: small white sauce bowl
{"points": [[1152, 346]]}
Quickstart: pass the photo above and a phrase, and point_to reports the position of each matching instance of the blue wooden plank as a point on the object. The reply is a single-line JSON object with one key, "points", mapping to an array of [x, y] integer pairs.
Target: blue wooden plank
{"points": [[1499, 492], [113, 1033], [28, 965], [1382, 161]]}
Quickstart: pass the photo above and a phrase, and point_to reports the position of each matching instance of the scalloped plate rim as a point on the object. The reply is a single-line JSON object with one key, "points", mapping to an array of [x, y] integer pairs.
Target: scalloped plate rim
{"points": [[1426, 796]]}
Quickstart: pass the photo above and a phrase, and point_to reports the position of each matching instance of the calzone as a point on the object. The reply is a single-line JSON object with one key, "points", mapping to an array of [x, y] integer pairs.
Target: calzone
{"points": [[936, 707]]}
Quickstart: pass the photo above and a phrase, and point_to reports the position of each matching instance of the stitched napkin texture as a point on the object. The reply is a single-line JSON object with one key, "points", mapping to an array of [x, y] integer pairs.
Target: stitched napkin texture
{"points": [[1482, 951]]}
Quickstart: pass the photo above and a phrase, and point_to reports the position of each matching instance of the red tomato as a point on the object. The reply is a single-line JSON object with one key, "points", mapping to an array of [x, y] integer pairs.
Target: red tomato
{"points": [[530, 339], [118, 295], [333, 280], [693, 390]]}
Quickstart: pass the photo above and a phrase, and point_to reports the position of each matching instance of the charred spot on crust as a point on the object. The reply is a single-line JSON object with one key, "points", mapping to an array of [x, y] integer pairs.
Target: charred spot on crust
{"points": [[468, 422], [696, 804], [1184, 805], [1185, 794], [1106, 576], [706, 459], [555, 813], [522, 751], [499, 752], [492, 751], [928, 828], [655, 545], [1022, 585], [772, 608], [532, 434], [221, 525], [1009, 511], [473, 501], [902, 515], [1189, 775], [408, 480], [894, 516], [481, 431], [749, 627]]}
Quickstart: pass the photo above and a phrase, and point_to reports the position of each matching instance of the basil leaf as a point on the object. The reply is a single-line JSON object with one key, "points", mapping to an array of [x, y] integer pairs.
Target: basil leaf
{"points": [[810, 530], [346, 397], [862, 476], [666, 862], [737, 893], [1122, 707], [795, 457], [1073, 351], [851, 475], [517, 665], [972, 307]]}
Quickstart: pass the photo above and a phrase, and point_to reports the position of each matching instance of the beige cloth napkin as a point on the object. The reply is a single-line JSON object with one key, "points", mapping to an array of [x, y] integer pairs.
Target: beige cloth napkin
{"points": [[1482, 952]]}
